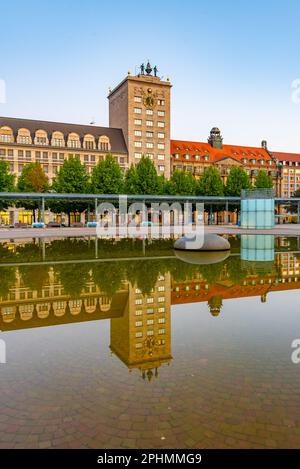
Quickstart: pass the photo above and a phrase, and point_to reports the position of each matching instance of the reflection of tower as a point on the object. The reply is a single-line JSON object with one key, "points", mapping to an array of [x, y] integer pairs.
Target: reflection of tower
{"points": [[215, 305], [141, 338]]}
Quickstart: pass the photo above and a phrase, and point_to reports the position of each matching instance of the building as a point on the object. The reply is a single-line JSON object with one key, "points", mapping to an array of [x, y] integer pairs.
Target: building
{"points": [[140, 106], [139, 124], [196, 157], [289, 173], [50, 143]]}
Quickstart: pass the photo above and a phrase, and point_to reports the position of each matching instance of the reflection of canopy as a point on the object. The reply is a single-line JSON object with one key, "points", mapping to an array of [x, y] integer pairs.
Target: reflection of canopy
{"points": [[202, 258]]}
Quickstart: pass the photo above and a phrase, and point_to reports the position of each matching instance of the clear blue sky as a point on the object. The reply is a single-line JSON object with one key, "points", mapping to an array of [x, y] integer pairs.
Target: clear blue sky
{"points": [[231, 62]]}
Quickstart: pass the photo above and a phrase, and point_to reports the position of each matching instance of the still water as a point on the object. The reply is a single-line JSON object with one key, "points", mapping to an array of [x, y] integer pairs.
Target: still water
{"points": [[122, 344]]}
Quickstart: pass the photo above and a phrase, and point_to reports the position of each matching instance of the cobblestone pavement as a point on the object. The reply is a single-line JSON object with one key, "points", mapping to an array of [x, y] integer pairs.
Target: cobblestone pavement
{"points": [[231, 384]]}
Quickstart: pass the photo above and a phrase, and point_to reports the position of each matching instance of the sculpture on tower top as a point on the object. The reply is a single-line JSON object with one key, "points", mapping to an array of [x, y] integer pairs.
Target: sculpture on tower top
{"points": [[148, 68]]}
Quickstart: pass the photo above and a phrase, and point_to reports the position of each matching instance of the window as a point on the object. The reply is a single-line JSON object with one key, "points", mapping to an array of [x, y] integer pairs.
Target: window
{"points": [[6, 138], [20, 167], [138, 155], [138, 334], [161, 288], [161, 168], [138, 312], [149, 112], [20, 153], [161, 146], [150, 333], [23, 139], [150, 322], [73, 143], [160, 157], [149, 155], [86, 158], [161, 135], [149, 134], [104, 143], [89, 145], [138, 144], [138, 133], [10, 153], [161, 102], [28, 154], [93, 158], [61, 156], [137, 99], [2, 152], [138, 323], [161, 310], [160, 124], [138, 301], [150, 300], [54, 156], [149, 123], [41, 141], [150, 310], [138, 121], [161, 331], [149, 145], [45, 169], [161, 113], [139, 345], [57, 142], [137, 110]]}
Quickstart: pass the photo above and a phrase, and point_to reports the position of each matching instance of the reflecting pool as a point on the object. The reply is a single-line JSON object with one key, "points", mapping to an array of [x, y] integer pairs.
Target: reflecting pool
{"points": [[121, 344]]}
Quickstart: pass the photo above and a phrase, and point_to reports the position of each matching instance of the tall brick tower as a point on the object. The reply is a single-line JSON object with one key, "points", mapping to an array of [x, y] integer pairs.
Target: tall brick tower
{"points": [[140, 105]]}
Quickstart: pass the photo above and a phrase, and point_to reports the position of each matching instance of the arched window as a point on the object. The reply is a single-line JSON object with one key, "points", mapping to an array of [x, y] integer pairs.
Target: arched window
{"points": [[58, 139], [41, 138], [104, 143], [24, 137], [6, 135], [73, 140], [89, 142]]}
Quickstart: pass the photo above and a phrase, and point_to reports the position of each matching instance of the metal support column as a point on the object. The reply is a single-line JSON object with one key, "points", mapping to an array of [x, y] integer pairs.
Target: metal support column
{"points": [[226, 213], [43, 210]]}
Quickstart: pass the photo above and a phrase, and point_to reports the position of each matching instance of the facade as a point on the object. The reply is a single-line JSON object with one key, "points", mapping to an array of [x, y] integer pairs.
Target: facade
{"points": [[195, 157], [50, 143], [140, 106], [289, 174]]}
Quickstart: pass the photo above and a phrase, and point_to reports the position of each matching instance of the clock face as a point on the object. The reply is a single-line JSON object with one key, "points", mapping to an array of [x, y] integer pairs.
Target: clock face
{"points": [[149, 101]]}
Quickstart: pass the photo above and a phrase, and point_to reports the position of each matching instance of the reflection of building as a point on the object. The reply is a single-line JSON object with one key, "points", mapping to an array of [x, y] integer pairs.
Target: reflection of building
{"points": [[282, 275], [141, 338], [24, 306]]}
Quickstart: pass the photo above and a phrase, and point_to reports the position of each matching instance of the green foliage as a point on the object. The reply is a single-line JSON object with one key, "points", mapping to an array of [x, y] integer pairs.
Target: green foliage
{"points": [[181, 183], [237, 180], [211, 183], [107, 177], [6, 182], [72, 178], [142, 179], [263, 180]]}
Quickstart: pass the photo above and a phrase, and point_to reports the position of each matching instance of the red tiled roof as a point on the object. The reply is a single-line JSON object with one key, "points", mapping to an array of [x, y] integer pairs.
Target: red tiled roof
{"points": [[236, 152], [282, 156]]}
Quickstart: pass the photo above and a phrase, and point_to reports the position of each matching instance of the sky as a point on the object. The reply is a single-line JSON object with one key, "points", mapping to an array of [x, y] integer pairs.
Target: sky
{"points": [[232, 64]]}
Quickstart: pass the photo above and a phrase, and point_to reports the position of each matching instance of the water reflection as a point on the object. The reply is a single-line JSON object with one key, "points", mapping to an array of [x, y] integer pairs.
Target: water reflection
{"points": [[135, 294]]}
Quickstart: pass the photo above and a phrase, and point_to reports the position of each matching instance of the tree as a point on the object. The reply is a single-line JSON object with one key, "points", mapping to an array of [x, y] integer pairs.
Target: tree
{"points": [[237, 180], [142, 179], [130, 183], [211, 183], [181, 183], [263, 180], [107, 177], [6, 182], [72, 178], [32, 179]]}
